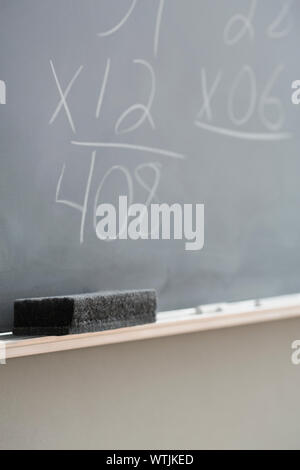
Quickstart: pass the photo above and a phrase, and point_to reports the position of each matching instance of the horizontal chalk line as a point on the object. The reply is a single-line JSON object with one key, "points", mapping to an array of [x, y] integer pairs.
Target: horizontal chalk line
{"points": [[123, 146], [267, 136]]}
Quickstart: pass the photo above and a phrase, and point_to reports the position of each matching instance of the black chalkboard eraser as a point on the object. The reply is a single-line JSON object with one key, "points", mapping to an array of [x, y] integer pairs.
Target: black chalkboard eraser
{"points": [[83, 313]]}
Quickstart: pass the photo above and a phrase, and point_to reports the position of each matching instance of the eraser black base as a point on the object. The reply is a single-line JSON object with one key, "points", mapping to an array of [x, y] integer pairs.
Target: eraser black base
{"points": [[83, 313]]}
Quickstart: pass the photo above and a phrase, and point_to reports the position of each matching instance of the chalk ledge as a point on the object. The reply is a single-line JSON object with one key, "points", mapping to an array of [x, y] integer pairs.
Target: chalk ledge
{"points": [[168, 324]]}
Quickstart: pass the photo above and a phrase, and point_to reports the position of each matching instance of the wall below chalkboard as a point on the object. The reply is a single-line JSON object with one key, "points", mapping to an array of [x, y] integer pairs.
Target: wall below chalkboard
{"points": [[206, 390]]}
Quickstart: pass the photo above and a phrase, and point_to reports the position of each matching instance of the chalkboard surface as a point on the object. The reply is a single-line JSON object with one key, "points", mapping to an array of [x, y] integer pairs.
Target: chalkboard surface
{"points": [[163, 100]]}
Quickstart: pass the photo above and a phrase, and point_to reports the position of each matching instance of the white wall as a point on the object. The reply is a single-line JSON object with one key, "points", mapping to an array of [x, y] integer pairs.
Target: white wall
{"points": [[233, 388]]}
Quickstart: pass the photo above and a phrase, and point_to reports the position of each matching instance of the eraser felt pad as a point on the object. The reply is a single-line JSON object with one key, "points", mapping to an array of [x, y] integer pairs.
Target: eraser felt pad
{"points": [[83, 313]]}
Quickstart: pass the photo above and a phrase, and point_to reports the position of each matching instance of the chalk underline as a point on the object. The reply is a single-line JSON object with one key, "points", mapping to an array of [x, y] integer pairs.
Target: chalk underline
{"points": [[124, 146], [267, 136]]}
